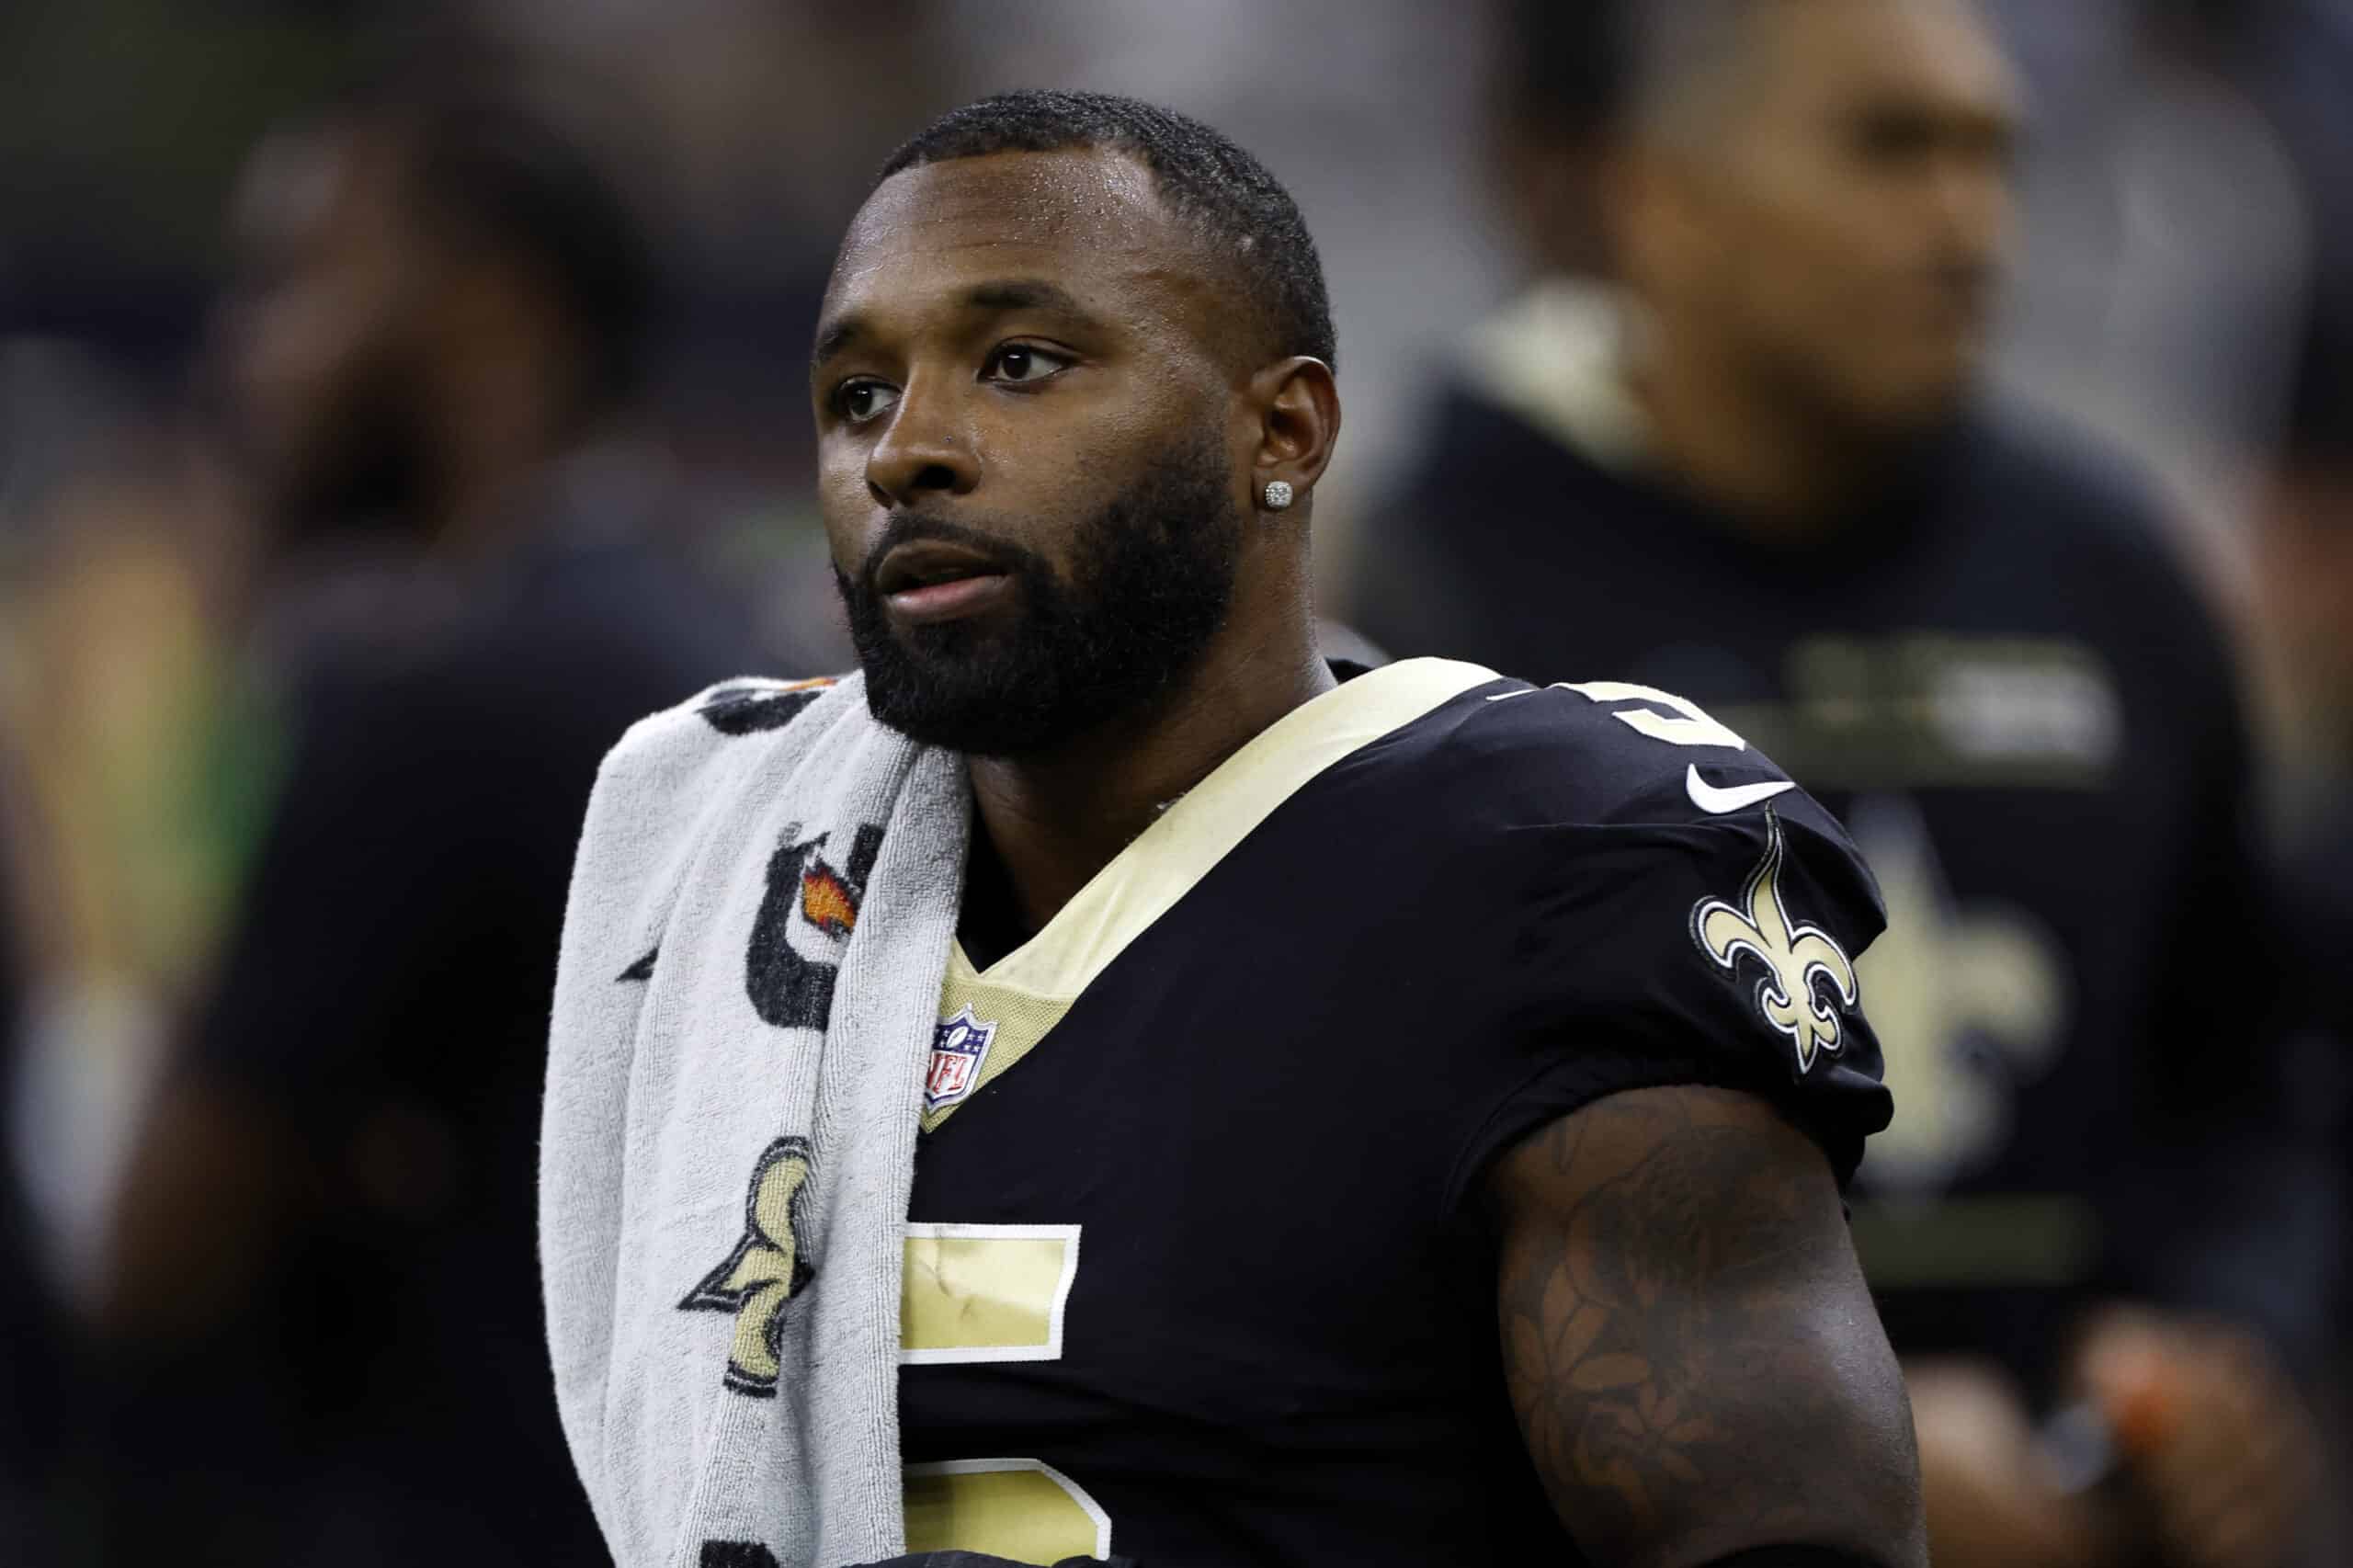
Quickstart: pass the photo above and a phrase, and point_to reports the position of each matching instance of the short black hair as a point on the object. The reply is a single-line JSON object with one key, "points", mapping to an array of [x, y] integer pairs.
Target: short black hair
{"points": [[485, 163], [1562, 69], [1202, 174], [1599, 71]]}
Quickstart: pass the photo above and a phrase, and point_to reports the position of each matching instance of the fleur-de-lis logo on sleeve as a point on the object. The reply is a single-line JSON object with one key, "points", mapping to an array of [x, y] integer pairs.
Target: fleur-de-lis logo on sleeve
{"points": [[768, 1266], [1794, 957]]}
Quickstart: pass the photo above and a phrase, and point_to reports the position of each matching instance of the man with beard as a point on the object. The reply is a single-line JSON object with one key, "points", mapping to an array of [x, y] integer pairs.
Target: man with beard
{"points": [[436, 329], [1452, 1112], [1755, 472]]}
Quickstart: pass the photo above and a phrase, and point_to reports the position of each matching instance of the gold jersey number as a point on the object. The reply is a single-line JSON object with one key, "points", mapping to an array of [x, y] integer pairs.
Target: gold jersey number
{"points": [[993, 1293]]}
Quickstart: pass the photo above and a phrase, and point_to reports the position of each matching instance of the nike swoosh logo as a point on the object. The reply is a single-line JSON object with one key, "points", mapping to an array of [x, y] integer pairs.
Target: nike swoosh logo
{"points": [[1736, 798]]}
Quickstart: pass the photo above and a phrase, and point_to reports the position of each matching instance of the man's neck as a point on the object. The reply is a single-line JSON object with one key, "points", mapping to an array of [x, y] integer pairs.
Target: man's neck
{"points": [[1774, 466], [501, 432], [1057, 819]]}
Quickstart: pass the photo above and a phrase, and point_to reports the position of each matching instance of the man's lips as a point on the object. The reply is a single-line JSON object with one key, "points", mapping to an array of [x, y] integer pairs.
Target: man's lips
{"points": [[933, 580], [951, 600]]}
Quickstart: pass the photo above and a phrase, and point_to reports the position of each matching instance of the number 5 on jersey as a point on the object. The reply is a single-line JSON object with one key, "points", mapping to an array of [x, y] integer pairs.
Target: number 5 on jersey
{"points": [[993, 1293]]}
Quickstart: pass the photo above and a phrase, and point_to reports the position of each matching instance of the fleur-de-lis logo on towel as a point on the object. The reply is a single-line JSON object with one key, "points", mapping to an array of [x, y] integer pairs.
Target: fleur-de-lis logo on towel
{"points": [[1795, 957], [768, 1267]]}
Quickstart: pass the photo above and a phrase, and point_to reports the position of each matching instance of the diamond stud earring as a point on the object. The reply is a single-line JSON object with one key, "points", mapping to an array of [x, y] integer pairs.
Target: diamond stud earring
{"points": [[1279, 495]]}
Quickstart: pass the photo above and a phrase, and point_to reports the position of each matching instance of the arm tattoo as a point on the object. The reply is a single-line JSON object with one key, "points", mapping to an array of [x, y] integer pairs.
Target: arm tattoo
{"points": [[1694, 1360]]}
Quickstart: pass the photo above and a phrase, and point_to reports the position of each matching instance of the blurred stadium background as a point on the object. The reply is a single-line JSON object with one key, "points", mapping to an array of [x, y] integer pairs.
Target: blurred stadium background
{"points": [[2185, 298]]}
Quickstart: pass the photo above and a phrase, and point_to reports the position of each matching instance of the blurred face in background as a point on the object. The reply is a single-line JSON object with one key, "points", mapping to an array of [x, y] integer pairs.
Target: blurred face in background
{"points": [[1827, 211], [321, 337], [2303, 562], [1032, 459]]}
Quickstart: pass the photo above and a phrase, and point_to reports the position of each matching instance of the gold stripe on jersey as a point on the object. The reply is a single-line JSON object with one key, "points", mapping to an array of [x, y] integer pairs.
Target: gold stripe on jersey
{"points": [[1026, 992]]}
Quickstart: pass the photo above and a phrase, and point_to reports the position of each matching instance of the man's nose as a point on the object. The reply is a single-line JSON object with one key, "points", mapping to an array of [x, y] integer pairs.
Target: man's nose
{"points": [[927, 447], [1974, 205]]}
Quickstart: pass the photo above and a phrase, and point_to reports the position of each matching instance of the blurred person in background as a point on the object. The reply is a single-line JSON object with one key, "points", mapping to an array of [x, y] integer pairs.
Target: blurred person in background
{"points": [[127, 780], [2304, 555], [321, 1303], [2168, 242], [1755, 472], [30, 1392]]}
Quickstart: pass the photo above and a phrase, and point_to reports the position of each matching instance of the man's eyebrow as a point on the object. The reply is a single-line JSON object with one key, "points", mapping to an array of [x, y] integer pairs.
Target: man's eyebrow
{"points": [[836, 337], [1021, 294], [1008, 294]]}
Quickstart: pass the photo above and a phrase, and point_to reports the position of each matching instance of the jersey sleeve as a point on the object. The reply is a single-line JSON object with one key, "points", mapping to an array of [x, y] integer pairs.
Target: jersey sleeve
{"points": [[1715, 950]]}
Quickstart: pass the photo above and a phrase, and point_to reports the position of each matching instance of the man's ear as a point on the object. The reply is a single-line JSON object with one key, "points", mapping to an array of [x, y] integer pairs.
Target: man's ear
{"points": [[1298, 408], [1552, 190], [1648, 227]]}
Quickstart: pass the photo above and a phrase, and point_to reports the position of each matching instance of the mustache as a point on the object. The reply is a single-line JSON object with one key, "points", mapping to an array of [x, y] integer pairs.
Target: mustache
{"points": [[907, 527]]}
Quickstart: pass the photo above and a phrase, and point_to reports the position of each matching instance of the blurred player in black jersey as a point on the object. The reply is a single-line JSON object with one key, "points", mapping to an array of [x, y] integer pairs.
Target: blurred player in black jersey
{"points": [[2306, 580], [1457, 1125], [1756, 473], [439, 326]]}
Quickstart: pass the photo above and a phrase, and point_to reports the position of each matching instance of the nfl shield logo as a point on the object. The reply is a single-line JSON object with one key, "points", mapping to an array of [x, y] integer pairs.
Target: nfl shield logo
{"points": [[957, 1052]]}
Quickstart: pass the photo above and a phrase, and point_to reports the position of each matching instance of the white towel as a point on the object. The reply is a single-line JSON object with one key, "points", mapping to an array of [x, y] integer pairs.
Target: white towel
{"points": [[759, 921]]}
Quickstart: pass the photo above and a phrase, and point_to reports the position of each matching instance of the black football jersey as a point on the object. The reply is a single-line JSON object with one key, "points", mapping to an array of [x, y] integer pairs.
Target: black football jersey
{"points": [[2010, 696], [1198, 1270]]}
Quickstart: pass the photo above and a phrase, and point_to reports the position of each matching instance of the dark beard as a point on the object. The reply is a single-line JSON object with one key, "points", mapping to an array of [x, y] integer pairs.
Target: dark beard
{"points": [[1150, 585]]}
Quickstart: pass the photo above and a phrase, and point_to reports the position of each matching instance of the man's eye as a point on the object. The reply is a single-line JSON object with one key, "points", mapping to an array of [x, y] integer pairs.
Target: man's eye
{"points": [[861, 401], [1020, 363], [1896, 136]]}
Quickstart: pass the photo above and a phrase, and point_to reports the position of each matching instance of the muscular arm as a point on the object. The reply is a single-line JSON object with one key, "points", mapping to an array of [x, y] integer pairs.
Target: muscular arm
{"points": [[1697, 1366]]}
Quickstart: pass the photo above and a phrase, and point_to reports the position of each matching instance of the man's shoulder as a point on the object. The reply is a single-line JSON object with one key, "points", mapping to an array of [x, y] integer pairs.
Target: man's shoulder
{"points": [[2085, 499], [676, 774], [1600, 779], [1593, 752], [1474, 469], [742, 722], [1623, 875], [2102, 529], [2058, 462]]}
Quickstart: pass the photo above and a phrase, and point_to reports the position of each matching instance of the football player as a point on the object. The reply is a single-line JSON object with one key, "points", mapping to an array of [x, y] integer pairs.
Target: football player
{"points": [[440, 310], [1453, 1081], [1755, 472]]}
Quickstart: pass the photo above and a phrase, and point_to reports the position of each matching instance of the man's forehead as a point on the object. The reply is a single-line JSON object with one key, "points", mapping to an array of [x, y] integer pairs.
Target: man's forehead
{"points": [[1940, 49], [1066, 215]]}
